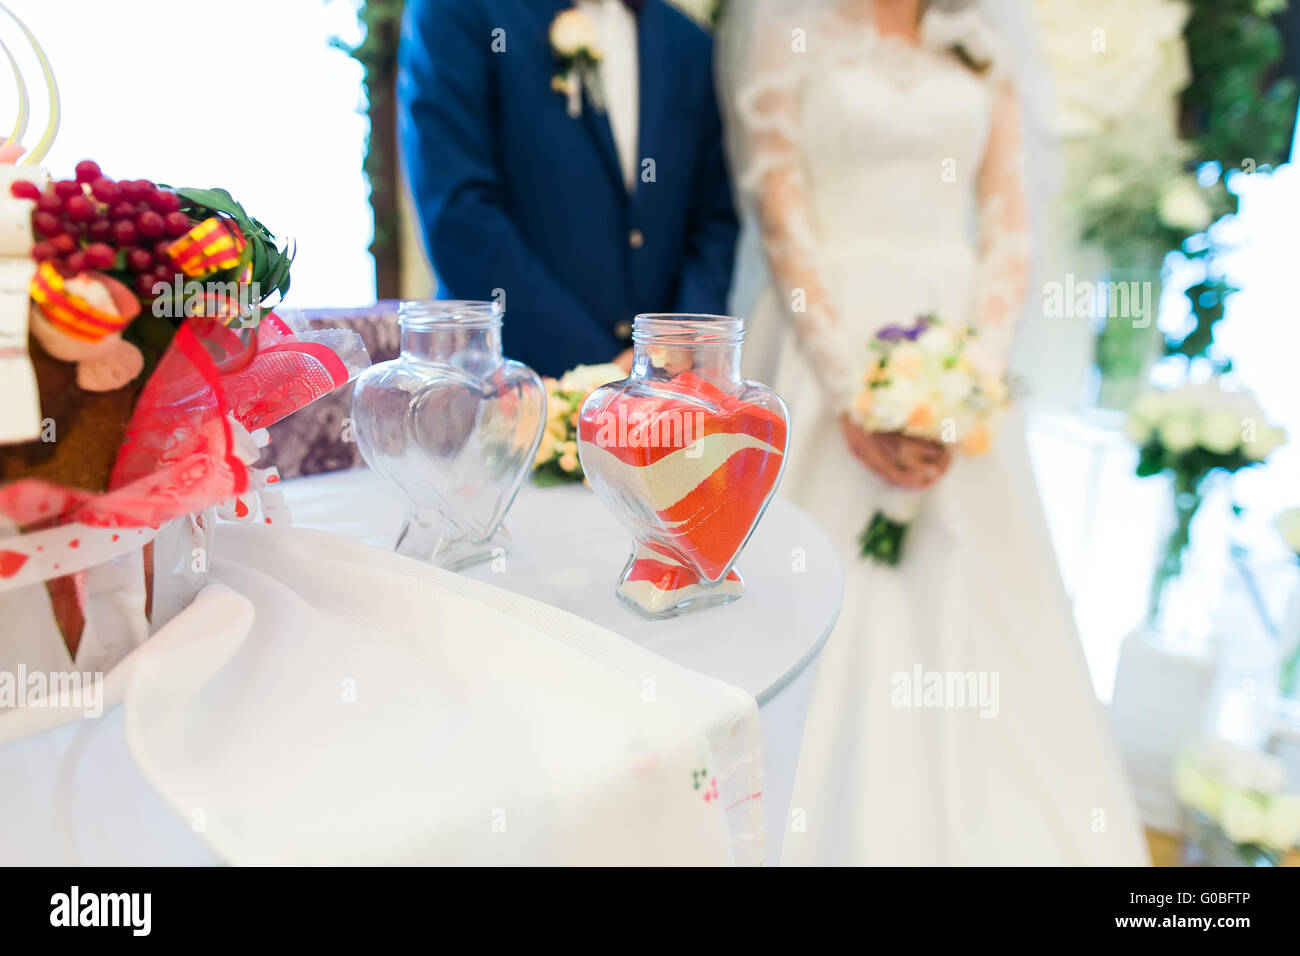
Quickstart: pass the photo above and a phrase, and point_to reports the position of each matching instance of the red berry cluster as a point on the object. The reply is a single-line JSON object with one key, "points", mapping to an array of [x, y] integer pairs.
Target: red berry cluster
{"points": [[93, 222]]}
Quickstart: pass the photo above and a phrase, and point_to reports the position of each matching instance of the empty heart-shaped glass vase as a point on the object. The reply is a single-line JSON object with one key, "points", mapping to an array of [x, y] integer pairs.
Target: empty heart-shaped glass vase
{"points": [[453, 425], [687, 454]]}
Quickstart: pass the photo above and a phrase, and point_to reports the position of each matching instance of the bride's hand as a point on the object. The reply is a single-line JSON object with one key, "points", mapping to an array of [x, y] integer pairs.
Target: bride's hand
{"points": [[906, 462]]}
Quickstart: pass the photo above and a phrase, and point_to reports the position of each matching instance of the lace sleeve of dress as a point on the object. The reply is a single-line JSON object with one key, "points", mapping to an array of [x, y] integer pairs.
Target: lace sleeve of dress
{"points": [[1005, 244], [771, 175]]}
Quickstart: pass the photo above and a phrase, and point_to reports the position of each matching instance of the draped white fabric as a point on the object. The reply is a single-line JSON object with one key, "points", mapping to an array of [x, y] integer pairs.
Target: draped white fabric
{"points": [[327, 702]]}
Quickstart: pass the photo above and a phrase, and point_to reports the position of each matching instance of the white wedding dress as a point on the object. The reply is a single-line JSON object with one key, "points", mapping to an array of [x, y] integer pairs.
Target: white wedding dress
{"points": [[887, 176]]}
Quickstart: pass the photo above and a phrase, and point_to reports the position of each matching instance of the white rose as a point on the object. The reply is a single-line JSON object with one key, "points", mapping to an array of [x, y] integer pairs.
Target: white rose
{"points": [[1149, 406], [937, 340], [1194, 789], [1134, 81], [893, 405], [1288, 524], [1241, 768], [954, 386], [1138, 430], [1182, 206], [982, 358], [993, 388], [1103, 188], [1251, 770], [1242, 818], [1282, 823], [1220, 432], [1244, 405], [1178, 434], [1267, 439], [572, 32], [906, 360], [586, 378]]}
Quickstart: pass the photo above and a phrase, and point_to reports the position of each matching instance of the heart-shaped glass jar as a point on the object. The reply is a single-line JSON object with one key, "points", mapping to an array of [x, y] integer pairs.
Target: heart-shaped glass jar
{"points": [[687, 454], [454, 425]]}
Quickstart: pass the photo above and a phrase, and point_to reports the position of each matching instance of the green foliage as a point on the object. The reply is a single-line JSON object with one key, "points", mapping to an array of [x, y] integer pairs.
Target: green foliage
{"points": [[377, 54], [882, 541], [1235, 113], [1208, 299], [1189, 467], [270, 263], [550, 474], [1235, 109], [1120, 210]]}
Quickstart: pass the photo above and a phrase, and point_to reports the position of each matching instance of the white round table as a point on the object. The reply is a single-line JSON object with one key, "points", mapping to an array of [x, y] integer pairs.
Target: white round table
{"points": [[75, 796], [568, 551]]}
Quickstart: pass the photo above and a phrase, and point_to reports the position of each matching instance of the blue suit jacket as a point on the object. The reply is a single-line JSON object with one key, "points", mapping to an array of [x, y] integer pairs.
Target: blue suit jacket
{"points": [[515, 195]]}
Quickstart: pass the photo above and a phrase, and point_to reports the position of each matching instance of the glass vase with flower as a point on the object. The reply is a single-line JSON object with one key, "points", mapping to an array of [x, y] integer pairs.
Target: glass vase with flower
{"points": [[1192, 435]]}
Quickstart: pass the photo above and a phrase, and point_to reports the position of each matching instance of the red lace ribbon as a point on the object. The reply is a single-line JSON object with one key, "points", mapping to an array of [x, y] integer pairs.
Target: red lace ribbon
{"points": [[179, 451]]}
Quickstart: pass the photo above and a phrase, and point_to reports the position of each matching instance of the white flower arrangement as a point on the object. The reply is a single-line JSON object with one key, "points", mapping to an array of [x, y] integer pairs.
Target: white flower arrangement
{"points": [[1240, 792], [1201, 427], [1189, 433], [1116, 66], [576, 46]]}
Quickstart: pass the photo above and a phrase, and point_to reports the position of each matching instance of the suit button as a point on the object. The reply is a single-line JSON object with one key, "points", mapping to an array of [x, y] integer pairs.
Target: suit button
{"points": [[636, 239], [623, 330]]}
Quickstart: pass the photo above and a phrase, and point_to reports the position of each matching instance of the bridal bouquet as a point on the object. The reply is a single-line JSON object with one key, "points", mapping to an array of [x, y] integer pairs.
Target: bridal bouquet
{"points": [[557, 456], [935, 381]]}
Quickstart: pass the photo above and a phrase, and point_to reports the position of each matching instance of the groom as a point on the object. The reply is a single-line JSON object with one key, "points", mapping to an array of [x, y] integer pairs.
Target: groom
{"points": [[581, 205]]}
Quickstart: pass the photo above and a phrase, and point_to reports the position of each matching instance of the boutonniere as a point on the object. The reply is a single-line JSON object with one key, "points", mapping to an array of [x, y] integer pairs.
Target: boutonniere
{"points": [[574, 43]]}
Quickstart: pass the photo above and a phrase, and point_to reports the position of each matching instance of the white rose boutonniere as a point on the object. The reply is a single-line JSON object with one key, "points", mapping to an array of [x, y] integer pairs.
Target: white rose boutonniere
{"points": [[576, 47]]}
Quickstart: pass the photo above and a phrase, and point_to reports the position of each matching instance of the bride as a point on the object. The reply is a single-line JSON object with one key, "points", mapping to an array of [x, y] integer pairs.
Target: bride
{"points": [[879, 145]]}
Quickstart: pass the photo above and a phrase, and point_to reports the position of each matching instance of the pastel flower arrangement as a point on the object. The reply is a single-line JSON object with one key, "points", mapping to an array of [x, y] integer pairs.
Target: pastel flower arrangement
{"points": [[557, 457], [1239, 791], [931, 380]]}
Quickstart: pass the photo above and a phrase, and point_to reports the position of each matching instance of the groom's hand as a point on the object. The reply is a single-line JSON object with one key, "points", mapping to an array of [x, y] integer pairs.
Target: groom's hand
{"points": [[912, 463]]}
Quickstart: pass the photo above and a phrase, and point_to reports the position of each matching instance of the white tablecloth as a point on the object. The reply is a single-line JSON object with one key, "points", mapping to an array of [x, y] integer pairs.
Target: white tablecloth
{"points": [[326, 702], [568, 551], [534, 737], [764, 643]]}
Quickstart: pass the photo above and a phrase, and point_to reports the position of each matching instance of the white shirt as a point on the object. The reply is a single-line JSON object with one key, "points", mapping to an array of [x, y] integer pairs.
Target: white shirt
{"points": [[619, 76]]}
